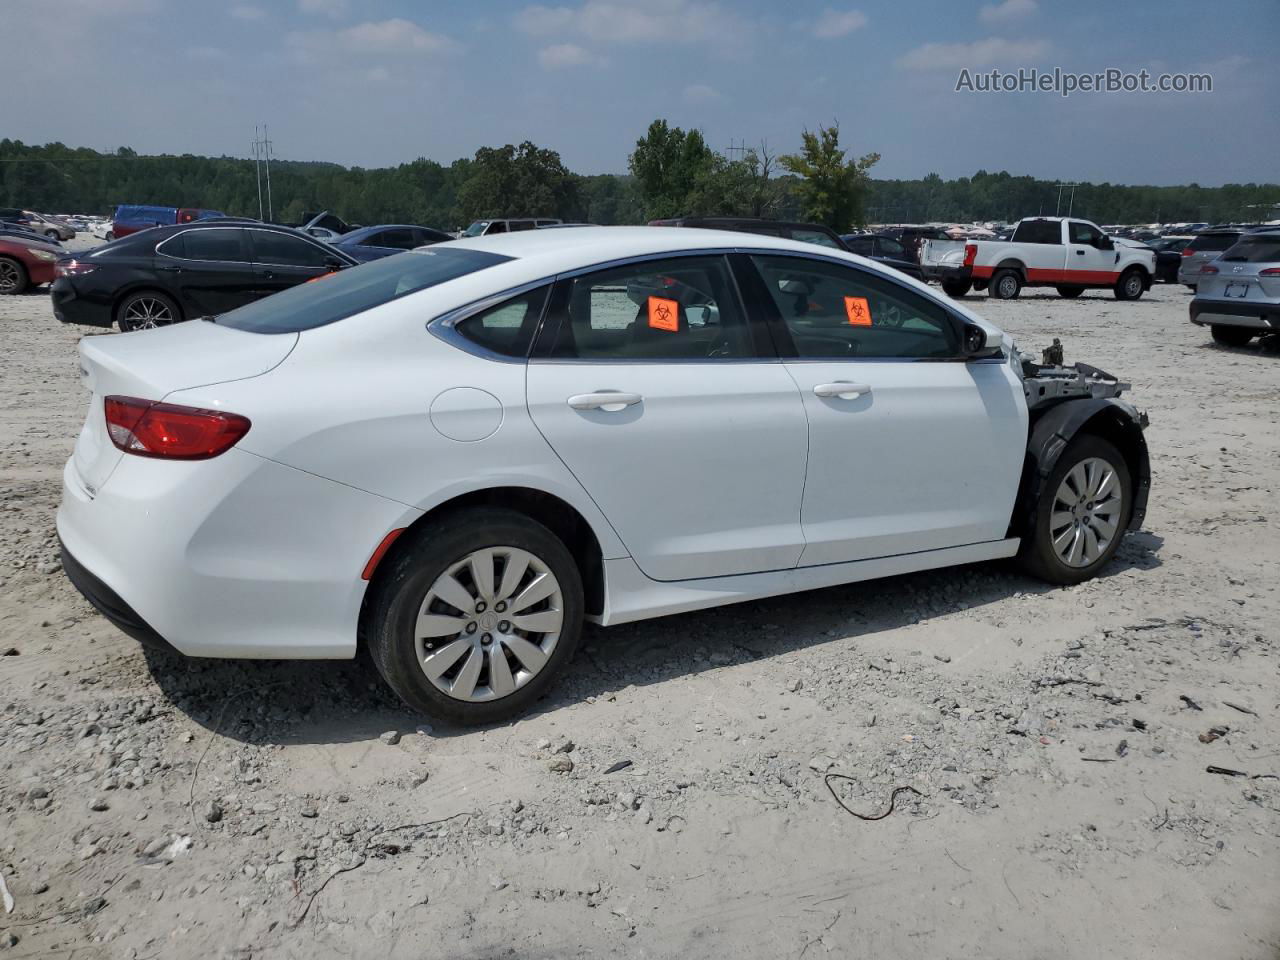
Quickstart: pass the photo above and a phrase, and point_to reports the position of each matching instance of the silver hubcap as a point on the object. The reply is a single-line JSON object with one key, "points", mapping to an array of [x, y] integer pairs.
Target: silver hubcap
{"points": [[1086, 512], [1007, 287], [8, 276], [489, 624], [146, 313], [1132, 286]]}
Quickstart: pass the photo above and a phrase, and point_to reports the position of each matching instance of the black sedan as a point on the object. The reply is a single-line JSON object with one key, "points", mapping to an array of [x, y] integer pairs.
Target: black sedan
{"points": [[1169, 256], [166, 274], [373, 243], [884, 249]]}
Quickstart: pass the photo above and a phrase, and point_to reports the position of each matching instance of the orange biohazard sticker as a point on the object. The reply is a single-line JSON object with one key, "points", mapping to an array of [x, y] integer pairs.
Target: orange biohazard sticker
{"points": [[664, 314], [857, 310]]}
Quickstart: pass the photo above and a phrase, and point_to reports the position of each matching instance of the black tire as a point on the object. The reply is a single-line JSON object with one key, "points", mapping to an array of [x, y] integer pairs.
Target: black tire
{"points": [[52, 235], [1131, 285], [1231, 336], [1004, 285], [13, 276], [955, 288], [979, 286], [1070, 293], [1190, 286], [1037, 553], [138, 299], [110, 236], [414, 566]]}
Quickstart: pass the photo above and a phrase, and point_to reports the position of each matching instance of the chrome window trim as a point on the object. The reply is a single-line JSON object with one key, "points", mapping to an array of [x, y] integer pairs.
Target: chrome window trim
{"points": [[444, 326]]}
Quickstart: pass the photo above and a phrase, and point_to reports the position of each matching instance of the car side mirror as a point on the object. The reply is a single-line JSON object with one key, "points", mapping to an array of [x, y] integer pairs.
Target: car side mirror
{"points": [[975, 344]]}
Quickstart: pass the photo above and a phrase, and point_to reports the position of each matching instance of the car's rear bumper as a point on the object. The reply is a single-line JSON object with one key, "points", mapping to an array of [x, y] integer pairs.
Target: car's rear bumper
{"points": [[1263, 317], [237, 556], [68, 307]]}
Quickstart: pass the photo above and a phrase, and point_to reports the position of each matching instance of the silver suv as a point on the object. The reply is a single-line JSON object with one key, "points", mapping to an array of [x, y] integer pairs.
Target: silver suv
{"points": [[1238, 294], [1204, 248]]}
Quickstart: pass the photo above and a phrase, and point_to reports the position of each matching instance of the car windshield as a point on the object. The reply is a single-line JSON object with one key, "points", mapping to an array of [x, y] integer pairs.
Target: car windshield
{"points": [[475, 229], [336, 296], [1260, 248]]}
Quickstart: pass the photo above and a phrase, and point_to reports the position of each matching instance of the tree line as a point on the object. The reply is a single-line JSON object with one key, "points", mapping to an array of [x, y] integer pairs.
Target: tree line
{"points": [[672, 172]]}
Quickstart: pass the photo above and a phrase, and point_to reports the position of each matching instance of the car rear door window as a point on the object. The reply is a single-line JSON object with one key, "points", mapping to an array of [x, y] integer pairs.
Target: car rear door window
{"points": [[399, 239], [834, 312], [224, 244], [284, 250], [507, 328], [683, 308]]}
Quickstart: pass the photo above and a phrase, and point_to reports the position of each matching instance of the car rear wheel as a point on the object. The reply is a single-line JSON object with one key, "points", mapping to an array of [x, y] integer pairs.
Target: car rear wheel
{"points": [[955, 288], [13, 276], [146, 311], [1082, 513], [475, 616], [1130, 286], [1231, 336], [1070, 293], [52, 234], [1004, 285]]}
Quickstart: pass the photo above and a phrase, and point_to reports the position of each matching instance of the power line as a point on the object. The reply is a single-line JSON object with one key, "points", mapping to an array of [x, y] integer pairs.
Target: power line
{"points": [[262, 157]]}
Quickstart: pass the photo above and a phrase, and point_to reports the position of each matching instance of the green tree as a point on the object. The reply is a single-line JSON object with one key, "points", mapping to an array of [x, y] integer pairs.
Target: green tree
{"points": [[832, 190], [518, 181], [670, 164]]}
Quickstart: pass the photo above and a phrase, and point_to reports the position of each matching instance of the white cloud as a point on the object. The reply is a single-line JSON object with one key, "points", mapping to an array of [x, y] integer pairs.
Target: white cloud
{"points": [[838, 23], [324, 8], [565, 55], [974, 56], [701, 93], [1006, 10], [608, 21], [374, 37], [246, 11]]}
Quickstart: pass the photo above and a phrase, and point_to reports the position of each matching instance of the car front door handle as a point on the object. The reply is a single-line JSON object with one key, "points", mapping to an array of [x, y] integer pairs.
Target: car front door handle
{"points": [[841, 389], [610, 401]]}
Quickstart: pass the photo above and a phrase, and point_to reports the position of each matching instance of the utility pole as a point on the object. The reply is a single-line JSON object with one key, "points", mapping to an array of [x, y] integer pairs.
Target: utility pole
{"points": [[262, 160], [1057, 211], [257, 169], [733, 148]]}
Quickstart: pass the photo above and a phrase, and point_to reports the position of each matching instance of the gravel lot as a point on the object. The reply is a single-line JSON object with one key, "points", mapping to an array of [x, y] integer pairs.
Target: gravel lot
{"points": [[1055, 738]]}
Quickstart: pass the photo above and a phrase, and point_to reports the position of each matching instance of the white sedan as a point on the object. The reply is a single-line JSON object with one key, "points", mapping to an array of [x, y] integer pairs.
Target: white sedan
{"points": [[457, 454]]}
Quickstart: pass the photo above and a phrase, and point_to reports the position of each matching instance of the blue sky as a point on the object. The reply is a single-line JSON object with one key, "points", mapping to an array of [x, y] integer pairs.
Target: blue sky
{"points": [[377, 82]]}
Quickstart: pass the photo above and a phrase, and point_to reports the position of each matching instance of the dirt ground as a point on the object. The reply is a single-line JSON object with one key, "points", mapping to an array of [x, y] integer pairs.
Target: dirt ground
{"points": [[1054, 741]]}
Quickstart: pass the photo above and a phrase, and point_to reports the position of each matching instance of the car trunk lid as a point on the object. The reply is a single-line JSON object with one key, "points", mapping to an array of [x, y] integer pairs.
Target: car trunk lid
{"points": [[151, 365]]}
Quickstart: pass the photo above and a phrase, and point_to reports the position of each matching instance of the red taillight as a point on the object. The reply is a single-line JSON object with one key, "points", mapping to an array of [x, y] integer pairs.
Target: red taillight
{"points": [[166, 430], [74, 268], [970, 254], [1187, 251], [1208, 268], [1270, 272]]}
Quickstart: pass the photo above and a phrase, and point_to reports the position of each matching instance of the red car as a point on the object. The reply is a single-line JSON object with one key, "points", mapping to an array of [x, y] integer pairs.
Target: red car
{"points": [[25, 263]]}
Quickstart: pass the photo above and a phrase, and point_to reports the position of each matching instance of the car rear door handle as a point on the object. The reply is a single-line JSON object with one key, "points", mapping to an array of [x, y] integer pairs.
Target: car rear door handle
{"points": [[842, 389], [610, 401]]}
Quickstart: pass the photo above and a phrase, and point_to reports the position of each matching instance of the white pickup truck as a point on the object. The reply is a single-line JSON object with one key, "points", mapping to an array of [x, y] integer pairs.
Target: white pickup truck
{"points": [[1071, 255]]}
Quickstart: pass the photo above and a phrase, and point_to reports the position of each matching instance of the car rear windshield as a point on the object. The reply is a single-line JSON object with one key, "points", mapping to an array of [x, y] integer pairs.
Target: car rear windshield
{"points": [[1212, 241], [1259, 248], [332, 297]]}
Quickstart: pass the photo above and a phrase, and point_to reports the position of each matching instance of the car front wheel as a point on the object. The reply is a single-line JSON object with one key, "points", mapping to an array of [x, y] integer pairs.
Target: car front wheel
{"points": [[1082, 513], [956, 288], [13, 276], [475, 616], [146, 311], [1130, 286]]}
